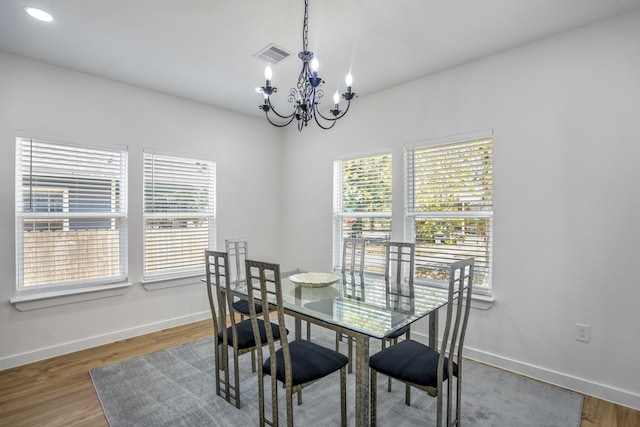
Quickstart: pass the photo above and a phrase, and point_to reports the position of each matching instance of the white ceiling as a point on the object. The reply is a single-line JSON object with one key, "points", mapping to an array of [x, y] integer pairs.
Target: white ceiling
{"points": [[202, 49]]}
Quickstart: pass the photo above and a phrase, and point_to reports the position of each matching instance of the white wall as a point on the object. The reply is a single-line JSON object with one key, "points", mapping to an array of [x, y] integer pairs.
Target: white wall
{"points": [[565, 116], [51, 102]]}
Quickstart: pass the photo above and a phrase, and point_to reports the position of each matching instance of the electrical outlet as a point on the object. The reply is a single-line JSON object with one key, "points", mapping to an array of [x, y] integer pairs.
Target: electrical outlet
{"points": [[583, 332]]}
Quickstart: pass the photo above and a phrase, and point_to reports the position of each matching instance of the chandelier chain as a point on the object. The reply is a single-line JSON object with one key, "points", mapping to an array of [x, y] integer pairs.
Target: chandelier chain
{"points": [[305, 27]]}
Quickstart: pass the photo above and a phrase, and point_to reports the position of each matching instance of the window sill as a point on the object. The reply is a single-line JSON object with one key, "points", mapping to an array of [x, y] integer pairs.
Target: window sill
{"points": [[159, 283], [482, 302], [38, 300]]}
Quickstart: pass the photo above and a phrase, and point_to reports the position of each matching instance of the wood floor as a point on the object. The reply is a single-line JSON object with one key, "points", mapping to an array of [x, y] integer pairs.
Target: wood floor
{"points": [[59, 392]]}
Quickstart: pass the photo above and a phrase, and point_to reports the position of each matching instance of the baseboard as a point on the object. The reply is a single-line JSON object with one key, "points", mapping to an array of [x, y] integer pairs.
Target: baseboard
{"points": [[83, 344], [580, 385]]}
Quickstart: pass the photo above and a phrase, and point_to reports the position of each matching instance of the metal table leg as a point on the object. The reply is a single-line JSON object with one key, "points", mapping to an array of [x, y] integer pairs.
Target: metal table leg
{"points": [[433, 329], [362, 380]]}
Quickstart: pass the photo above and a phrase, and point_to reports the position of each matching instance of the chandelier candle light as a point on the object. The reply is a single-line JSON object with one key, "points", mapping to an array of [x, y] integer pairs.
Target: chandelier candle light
{"points": [[307, 94]]}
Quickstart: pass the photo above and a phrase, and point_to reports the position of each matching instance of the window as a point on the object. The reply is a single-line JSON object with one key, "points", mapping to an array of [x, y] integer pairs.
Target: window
{"points": [[449, 205], [71, 215], [362, 207], [179, 215]]}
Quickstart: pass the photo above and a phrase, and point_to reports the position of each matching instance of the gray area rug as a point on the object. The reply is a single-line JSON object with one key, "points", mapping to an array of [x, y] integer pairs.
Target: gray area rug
{"points": [[176, 387]]}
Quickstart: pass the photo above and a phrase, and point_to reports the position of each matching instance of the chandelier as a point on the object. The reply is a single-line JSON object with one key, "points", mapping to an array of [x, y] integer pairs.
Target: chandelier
{"points": [[306, 96]]}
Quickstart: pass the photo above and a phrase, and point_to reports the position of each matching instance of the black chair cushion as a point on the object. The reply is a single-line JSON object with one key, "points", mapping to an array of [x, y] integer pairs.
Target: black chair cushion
{"points": [[309, 362], [399, 332], [242, 306], [245, 334], [410, 361]]}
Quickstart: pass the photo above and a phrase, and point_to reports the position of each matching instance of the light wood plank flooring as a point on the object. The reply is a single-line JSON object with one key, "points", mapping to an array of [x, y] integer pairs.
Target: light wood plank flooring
{"points": [[59, 392]]}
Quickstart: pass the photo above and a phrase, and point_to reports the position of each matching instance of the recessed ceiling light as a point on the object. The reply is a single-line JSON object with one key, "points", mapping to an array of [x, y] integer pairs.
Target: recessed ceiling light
{"points": [[39, 14]]}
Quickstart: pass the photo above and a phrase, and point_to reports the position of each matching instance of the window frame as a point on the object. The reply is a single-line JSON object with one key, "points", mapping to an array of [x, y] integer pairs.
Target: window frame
{"points": [[340, 214], [411, 215], [209, 213], [29, 168]]}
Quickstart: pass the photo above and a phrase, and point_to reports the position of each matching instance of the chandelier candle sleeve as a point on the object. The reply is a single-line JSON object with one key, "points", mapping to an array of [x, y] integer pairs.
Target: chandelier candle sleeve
{"points": [[349, 81], [305, 97], [268, 74]]}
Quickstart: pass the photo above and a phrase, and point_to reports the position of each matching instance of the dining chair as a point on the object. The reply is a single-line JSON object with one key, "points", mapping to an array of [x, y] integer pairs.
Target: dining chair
{"points": [[399, 268], [425, 368], [239, 336], [353, 251], [295, 364], [238, 250]]}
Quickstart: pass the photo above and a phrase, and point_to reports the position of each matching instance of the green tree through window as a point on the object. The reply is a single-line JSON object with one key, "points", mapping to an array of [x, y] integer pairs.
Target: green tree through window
{"points": [[362, 206], [450, 206]]}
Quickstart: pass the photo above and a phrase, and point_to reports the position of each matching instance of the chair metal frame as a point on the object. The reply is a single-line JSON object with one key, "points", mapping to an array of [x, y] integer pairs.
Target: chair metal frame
{"points": [[399, 270], [353, 248], [399, 262], [399, 267], [218, 276], [238, 250], [264, 284], [451, 347]]}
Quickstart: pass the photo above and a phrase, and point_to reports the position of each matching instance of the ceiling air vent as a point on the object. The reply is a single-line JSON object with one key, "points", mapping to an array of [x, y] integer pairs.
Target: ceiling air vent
{"points": [[272, 54]]}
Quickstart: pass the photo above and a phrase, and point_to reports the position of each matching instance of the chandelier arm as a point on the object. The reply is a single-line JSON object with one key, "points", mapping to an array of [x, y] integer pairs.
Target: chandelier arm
{"points": [[329, 119], [335, 118], [346, 109], [289, 117], [280, 125], [322, 125], [293, 114]]}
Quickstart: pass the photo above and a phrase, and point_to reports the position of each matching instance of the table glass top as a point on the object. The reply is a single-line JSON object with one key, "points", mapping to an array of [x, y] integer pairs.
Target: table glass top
{"points": [[364, 304]]}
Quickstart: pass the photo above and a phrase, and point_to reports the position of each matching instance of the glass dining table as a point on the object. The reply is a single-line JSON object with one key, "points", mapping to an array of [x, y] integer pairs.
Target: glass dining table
{"points": [[362, 307]]}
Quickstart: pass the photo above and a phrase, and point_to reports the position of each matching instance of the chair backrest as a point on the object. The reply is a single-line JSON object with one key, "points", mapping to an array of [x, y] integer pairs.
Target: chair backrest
{"points": [[458, 306], [353, 286], [264, 284], [217, 269], [353, 256], [399, 266], [238, 250]]}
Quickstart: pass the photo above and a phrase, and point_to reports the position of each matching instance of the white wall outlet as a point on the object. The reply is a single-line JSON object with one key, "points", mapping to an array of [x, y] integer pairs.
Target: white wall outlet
{"points": [[583, 332]]}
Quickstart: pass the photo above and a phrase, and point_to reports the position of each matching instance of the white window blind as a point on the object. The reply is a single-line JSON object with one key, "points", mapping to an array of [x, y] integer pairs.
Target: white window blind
{"points": [[362, 207], [449, 206], [179, 215], [71, 215]]}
